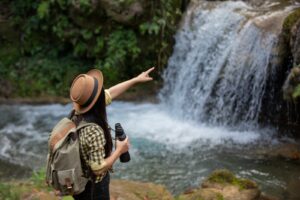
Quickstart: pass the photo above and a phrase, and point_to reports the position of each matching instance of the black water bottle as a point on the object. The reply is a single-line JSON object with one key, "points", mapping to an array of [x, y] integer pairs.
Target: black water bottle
{"points": [[120, 135]]}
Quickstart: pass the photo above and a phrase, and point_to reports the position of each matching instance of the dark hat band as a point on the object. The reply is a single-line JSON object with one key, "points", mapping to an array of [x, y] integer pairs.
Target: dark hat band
{"points": [[93, 95]]}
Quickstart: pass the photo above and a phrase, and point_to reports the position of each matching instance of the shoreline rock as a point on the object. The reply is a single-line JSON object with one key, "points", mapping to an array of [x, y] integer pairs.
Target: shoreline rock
{"points": [[224, 185], [220, 185], [288, 151], [34, 101], [64, 101], [146, 92]]}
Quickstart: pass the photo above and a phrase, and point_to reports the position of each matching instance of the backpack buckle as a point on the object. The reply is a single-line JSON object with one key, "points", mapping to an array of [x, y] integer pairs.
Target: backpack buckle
{"points": [[68, 183]]}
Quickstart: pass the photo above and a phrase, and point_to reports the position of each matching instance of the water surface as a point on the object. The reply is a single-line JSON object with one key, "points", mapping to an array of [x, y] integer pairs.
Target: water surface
{"points": [[165, 149]]}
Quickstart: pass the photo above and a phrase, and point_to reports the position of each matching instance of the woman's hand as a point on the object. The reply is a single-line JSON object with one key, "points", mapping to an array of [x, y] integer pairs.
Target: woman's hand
{"points": [[144, 76], [122, 87], [123, 146]]}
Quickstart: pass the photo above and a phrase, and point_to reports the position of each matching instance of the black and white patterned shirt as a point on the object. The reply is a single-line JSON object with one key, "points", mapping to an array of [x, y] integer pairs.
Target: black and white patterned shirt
{"points": [[92, 142]]}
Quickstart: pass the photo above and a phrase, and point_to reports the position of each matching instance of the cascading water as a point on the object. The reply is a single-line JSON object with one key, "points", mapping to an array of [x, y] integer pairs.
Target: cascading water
{"points": [[221, 61], [217, 76]]}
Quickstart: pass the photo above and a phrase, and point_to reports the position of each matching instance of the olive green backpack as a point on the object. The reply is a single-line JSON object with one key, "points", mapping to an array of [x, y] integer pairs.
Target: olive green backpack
{"points": [[64, 168]]}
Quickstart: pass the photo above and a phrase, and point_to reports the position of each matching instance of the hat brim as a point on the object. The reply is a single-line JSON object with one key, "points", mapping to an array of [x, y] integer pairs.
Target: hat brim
{"points": [[99, 77]]}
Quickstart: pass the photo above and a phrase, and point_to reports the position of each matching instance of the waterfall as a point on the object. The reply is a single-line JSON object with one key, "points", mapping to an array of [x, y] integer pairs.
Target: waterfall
{"points": [[220, 64]]}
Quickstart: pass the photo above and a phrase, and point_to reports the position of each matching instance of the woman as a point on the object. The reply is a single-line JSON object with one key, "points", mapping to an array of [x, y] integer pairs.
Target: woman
{"points": [[89, 102]]}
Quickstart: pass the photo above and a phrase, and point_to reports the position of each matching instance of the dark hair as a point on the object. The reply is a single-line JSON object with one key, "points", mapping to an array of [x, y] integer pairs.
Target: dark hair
{"points": [[97, 115]]}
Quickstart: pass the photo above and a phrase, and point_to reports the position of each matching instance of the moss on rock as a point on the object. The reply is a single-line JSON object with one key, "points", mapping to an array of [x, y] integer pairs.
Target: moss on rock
{"points": [[224, 185], [291, 19], [291, 88], [227, 177]]}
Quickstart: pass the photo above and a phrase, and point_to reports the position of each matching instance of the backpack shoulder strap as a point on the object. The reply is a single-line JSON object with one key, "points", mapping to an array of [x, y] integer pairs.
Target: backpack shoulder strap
{"points": [[60, 132], [83, 124]]}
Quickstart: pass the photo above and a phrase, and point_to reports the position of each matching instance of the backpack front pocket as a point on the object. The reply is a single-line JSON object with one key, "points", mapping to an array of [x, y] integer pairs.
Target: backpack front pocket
{"points": [[66, 180]]}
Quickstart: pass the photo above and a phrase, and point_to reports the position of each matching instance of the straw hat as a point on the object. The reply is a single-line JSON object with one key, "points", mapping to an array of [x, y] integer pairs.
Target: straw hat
{"points": [[85, 90]]}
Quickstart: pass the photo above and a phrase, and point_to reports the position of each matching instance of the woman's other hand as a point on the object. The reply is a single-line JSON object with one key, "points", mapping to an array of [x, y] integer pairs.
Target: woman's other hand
{"points": [[144, 76], [123, 146]]}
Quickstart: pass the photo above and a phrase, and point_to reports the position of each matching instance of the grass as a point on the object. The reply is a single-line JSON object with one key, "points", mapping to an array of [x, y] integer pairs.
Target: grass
{"points": [[17, 190], [219, 196], [9, 192]]}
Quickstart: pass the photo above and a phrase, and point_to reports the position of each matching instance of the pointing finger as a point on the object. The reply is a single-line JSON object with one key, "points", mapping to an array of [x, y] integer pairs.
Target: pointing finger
{"points": [[150, 70]]}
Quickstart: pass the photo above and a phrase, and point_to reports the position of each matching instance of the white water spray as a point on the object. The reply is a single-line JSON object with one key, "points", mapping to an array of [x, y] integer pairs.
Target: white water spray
{"points": [[221, 61]]}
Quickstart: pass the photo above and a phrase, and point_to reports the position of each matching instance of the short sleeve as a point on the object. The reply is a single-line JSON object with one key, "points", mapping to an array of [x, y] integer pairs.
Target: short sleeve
{"points": [[108, 98], [96, 142]]}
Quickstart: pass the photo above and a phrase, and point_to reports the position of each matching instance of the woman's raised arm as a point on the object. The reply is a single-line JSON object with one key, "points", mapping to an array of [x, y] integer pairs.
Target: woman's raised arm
{"points": [[122, 87]]}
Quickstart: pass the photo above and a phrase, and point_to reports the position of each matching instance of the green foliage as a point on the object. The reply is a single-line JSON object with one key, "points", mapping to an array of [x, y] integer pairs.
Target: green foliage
{"points": [[151, 28], [160, 27], [43, 76], [291, 19], [59, 36], [8, 193], [296, 93], [120, 45], [43, 9], [18, 190], [38, 178], [219, 196]]}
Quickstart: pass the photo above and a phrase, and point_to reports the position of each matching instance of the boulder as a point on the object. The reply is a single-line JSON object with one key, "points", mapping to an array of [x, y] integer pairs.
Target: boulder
{"points": [[293, 192], [123, 12], [224, 185], [288, 151], [291, 83]]}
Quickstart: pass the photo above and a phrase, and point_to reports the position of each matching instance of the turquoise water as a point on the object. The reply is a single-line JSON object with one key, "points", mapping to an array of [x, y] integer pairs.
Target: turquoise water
{"points": [[165, 149]]}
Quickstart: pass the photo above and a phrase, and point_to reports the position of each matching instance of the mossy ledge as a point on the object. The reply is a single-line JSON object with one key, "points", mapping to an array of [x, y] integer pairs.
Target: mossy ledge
{"points": [[226, 177], [291, 20]]}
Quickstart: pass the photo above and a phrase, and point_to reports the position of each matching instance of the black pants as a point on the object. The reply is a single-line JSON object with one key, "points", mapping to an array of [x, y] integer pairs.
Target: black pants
{"points": [[99, 192]]}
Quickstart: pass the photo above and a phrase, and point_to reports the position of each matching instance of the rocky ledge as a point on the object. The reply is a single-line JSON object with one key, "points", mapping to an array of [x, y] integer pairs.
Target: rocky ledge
{"points": [[220, 185], [223, 185]]}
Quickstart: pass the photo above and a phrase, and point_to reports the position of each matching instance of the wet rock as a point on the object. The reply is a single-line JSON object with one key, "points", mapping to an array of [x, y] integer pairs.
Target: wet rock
{"points": [[265, 197], [123, 12], [285, 151], [222, 184], [293, 192], [295, 43], [291, 33], [288, 151], [291, 86], [291, 83], [295, 36]]}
